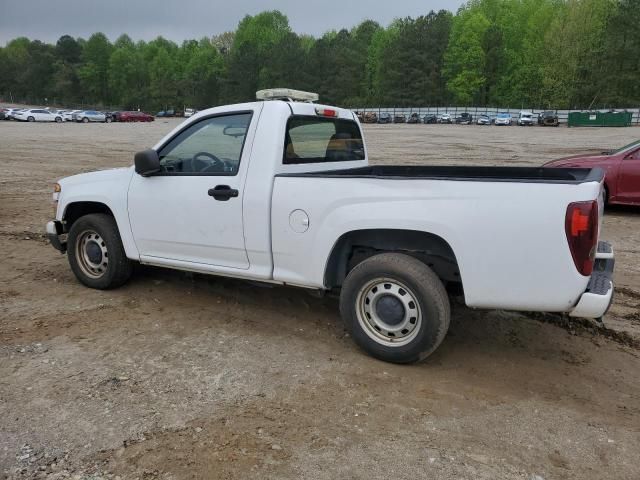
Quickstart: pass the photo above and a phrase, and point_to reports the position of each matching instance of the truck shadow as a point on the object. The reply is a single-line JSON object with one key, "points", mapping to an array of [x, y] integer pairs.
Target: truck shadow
{"points": [[495, 336]]}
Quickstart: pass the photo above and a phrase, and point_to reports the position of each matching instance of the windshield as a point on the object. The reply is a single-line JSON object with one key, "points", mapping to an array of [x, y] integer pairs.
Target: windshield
{"points": [[626, 147], [504, 115]]}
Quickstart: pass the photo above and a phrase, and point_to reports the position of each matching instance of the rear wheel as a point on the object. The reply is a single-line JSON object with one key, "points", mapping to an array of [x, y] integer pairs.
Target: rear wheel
{"points": [[107, 119], [85, 120], [96, 255], [31, 119], [58, 119], [395, 307]]}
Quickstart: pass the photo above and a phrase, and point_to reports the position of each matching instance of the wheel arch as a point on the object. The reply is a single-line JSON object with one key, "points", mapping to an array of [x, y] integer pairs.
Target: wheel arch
{"points": [[355, 246], [73, 211]]}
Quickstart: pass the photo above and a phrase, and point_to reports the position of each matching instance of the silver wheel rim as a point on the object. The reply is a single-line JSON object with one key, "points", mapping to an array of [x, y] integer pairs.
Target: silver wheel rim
{"points": [[92, 254], [388, 312]]}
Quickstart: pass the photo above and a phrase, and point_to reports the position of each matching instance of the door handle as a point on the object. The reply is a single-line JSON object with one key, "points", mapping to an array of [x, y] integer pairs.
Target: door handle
{"points": [[223, 192]]}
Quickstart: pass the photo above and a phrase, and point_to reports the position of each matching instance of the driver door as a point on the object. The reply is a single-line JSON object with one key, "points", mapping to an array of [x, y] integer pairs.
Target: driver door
{"points": [[191, 211]]}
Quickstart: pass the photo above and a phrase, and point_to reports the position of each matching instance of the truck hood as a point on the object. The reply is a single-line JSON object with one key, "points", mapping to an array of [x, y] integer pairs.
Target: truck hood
{"points": [[112, 174]]}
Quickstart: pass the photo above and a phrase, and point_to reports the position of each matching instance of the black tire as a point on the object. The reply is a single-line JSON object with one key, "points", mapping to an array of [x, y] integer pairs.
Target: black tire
{"points": [[31, 119], [85, 120], [58, 120], [416, 280], [107, 120], [118, 267]]}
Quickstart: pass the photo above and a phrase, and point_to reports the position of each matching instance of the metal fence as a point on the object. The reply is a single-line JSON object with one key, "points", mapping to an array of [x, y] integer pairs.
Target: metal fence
{"points": [[563, 115]]}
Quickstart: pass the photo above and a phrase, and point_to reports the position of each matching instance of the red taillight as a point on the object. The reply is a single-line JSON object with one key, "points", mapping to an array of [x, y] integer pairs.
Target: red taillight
{"points": [[581, 226], [327, 112]]}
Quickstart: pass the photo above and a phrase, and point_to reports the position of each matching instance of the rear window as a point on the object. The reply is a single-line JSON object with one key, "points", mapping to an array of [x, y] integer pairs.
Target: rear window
{"points": [[320, 139]]}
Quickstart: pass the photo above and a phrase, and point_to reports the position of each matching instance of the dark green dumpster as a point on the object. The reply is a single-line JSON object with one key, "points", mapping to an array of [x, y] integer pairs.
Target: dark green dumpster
{"points": [[600, 119]]}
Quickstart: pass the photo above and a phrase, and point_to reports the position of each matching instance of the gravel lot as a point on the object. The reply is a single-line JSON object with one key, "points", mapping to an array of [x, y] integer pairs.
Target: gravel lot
{"points": [[185, 376]]}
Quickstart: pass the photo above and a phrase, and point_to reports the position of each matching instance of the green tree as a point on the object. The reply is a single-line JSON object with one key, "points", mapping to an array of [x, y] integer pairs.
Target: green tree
{"points": [[618, 79], [465, 58], [254, 39], [202, 75], [163, 86], [574, 48], [128, 74], [411, 61], [94, 73]]}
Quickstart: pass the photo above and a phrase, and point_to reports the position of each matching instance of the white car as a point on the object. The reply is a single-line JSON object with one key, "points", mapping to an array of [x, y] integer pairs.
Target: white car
{"points": [[503, 119], [189, 112], [37, 115], [68, 115], [295, 202], [445, 118], [526, 119], [86, 116], [10, 113]]}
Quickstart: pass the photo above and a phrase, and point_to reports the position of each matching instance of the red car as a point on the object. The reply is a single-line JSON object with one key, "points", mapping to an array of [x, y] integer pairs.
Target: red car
{"points": [[135, 117], [622, 172]]}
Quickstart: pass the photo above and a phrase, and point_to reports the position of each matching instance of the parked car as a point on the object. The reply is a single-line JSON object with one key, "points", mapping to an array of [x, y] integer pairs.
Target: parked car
{"points": [[3, 113], [484, 120], [135, 117], [503, 119], [384, 117], [166, 113], [11, 112], [414, 118], [113, 115], [445, 118], [464, 119], [430, 119], [399, 118], [87, 116], [68, 115], [548, 118], [306, 186], [369, 117], [621, 172], [525, 119], [37, 115], [189, 112]]}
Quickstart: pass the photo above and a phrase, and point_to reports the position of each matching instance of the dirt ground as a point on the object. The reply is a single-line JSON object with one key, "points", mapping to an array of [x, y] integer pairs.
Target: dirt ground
{"points": [[185, 376]]}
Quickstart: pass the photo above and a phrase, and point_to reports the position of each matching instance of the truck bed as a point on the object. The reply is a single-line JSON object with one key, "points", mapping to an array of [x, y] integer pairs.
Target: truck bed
{"points": [[478, 174]]}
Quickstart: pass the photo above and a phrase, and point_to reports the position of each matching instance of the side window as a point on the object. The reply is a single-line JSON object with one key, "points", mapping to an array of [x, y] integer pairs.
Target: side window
{"points": [[635, 155], [212, 146], [320, 139]]}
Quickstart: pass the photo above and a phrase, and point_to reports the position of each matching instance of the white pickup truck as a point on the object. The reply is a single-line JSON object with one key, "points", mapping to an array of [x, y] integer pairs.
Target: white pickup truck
{"points": [[281, 191]]}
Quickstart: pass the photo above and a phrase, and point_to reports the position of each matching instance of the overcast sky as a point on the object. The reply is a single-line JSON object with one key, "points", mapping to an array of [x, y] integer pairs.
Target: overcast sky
{"points": [[177, 20]]}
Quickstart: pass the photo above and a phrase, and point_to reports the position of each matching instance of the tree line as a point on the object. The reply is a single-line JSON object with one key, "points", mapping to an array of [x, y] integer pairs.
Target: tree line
{"points": [[542, 53]]}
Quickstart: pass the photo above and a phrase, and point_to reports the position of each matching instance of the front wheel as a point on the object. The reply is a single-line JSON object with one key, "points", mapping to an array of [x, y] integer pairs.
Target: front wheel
{"points": [[95, 251], [107, 119], [85, 120], [58, 119], [31, 119], [395, 307]]}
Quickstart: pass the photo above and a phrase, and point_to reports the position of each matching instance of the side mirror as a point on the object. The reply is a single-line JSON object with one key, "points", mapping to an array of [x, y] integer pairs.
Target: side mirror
{"points": [[147, 162]]}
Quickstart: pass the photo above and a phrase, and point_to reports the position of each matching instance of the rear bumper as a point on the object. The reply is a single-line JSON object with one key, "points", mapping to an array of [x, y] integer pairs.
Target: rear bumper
{"points": [[597, 298], [54, 232]]}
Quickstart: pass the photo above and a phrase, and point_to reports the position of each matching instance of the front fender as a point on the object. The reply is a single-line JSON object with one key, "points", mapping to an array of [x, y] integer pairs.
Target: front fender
{"points": [[106, 187]]}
